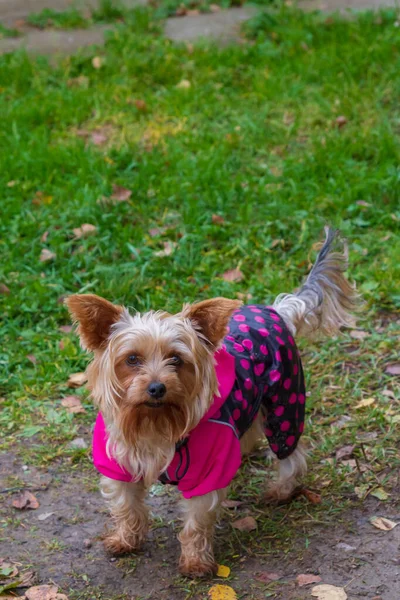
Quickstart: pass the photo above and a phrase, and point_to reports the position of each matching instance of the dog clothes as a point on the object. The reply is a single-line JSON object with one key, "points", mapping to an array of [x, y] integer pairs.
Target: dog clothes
{"points": [[258, 369]]}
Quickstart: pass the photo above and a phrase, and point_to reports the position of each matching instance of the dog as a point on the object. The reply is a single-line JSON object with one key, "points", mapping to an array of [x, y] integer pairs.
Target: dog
{"points": [[183, 397]]}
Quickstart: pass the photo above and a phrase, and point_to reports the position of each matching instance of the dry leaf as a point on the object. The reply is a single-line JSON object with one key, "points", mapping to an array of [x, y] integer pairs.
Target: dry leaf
{"points": [[120, 194], [44, 237], [97, 62], [357, 334], [11, 183], [223, 571], [344, 452], [193, 13], [341, 422], [80, 81], [245, 524], [46, 255], [231, 503], [312, 497], [40, 198], [141, 105], [268, 577], [341, 121], [365, 402], [217, 219], [233, 275], [45, 516], [351, 463], [7, 570], [32, 358], [26, 500], [4, 289], [76, 380], [65, 328], [84, 231], [169, 247], [222, 592], [307, 578], [382, 523], [98, 138], [380, 493], [155, 231], [72, 404], [180, 11], [184, 84], [393, 369], [328, 592], [388, 394], [44, 592], [363, 203]]}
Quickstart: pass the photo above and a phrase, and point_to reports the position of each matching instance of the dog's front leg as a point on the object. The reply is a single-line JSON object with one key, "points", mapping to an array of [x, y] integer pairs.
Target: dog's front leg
{"points": [[129, 512], [196, 537]]}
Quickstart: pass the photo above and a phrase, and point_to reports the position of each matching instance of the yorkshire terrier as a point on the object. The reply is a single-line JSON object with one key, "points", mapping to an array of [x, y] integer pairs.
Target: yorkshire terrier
{"points": [[182, 397]]}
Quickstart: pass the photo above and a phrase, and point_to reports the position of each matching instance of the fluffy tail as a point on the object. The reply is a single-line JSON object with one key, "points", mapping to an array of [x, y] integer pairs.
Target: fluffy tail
{"points": [[326, 300]]}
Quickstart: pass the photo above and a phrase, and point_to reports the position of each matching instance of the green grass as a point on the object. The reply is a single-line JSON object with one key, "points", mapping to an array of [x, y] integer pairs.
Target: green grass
{"points": [[254, 138], [7, 32]]}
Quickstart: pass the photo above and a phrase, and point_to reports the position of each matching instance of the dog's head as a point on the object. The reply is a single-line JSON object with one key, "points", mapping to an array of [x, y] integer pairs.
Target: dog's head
{"points": [[152, 374]]}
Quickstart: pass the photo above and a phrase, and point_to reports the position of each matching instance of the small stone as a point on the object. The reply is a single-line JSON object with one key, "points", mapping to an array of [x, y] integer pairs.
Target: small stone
{"points": [[87, 543], [78, 443], [113, 559], [25, 468]]}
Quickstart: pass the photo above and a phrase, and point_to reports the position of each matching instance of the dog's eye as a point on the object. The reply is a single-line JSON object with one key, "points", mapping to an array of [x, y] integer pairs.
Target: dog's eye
{"points": [[132, 360], [175, 360]]}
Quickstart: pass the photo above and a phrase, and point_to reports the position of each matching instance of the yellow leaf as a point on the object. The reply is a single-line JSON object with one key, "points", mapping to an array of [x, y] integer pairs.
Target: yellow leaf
{"points": [[328, 592], [222, 592], [380, 493], [382, 523], [184, 84], [97, 62], [223, 571], [365, 402]]}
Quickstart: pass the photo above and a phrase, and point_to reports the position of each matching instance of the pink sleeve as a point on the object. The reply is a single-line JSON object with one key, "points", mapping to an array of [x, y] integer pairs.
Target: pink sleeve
{"points": [[105, 465], [215, 458]]}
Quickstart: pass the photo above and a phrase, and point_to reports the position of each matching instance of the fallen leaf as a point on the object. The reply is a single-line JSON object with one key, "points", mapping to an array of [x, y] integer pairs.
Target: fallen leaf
{"points": [[32, 358], [84, 231], [80, 81], [268, 577], [26, 500], [120, 194], [223, 571], [46, 255], [141, 105], [233, 275], [217, 219], [245, 524], [193, 13], [215, 8], [312, 497], [367, 436], [388, 394], [382, 523], [380, 493], [351, 463], [358, 334], [363, 203], [44, 237], [341, 121], [364, 403], [307, 578], [40, 198], [45, 516], [242, 296], [345, 547], [169, 247], [155, 231], [393, 369], [44, 592], [184, 84], [26, 580], [180, 11], [97, 62], [341, 422], [361, 491], [65, 328], [328, 592], [344, 452], [72, 404], [4, 289], [231, 503], [7, 570], [11, 183], [222, 592], [76, 380]]}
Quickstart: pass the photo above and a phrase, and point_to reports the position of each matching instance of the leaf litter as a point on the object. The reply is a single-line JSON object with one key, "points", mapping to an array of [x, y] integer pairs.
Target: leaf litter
{"points": [[73, 404], [26, 500]]}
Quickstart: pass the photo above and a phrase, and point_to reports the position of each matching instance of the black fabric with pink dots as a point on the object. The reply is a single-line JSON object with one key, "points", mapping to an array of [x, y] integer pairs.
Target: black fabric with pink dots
{"points": [[269, 377]]}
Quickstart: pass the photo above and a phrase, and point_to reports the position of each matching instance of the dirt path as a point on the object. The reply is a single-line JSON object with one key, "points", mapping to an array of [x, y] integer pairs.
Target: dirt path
{"points": [[65, 547]]}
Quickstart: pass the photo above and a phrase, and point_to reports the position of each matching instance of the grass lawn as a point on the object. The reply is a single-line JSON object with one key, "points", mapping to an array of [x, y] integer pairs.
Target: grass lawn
{"points": [[234, 158]]}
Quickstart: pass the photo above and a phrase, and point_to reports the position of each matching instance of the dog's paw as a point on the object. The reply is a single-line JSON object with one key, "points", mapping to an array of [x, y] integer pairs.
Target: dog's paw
{"points": [[117, 544], [196, 567]]}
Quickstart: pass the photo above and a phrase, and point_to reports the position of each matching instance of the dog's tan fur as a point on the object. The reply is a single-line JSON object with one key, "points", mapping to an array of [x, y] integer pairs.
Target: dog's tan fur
{"points": [[177, 350]]}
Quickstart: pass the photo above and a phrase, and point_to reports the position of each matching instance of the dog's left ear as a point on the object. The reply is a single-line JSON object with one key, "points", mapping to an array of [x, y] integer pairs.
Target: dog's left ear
{"points": [[211, 317], [94, 316]]}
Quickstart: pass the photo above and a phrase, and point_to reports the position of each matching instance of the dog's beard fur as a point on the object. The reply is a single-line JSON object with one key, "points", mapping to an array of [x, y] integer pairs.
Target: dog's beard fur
{"points": [[143, 438]]}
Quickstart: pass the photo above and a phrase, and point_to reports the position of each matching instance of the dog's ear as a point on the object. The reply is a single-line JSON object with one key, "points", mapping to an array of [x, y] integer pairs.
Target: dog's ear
{"points": [[211, 317], [94, 316]]}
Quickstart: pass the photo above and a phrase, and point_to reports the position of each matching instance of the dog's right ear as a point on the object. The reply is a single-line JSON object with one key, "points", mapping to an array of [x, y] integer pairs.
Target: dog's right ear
{"points": [[94, 316]]}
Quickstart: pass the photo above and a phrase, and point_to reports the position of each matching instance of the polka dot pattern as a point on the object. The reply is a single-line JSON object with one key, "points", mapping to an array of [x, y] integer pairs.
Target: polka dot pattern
{"points": [[269, 374]]}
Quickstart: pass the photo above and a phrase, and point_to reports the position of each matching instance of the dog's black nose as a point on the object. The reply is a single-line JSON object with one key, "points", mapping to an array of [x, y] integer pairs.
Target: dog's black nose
{"points": [[156, 389]]}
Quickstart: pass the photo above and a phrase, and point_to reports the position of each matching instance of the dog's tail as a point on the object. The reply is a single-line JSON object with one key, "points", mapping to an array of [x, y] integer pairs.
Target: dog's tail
{"points": [[326, 301]]}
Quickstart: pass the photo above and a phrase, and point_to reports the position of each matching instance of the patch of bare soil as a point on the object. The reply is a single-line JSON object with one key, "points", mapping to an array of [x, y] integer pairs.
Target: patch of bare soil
{"points": [[60, 541]]}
